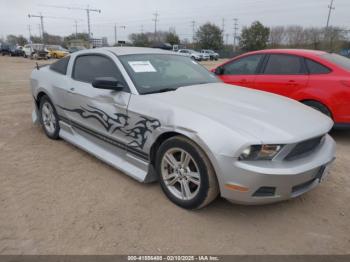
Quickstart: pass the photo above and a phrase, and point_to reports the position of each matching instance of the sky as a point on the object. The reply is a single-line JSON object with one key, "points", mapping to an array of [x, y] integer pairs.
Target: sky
{"points": [[137, 15]]}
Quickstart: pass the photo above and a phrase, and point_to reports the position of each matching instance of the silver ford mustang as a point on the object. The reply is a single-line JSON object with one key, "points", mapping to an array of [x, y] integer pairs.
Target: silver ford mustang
{"points": [[159, 116]]}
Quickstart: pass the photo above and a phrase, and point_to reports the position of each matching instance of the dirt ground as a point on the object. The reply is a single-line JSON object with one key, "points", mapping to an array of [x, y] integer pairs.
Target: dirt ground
{"points": [[57, 199]]}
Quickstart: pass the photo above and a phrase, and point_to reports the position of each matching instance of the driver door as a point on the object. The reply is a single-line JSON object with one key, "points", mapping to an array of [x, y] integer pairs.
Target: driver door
{"points": [[242, 71], [97, 113]]}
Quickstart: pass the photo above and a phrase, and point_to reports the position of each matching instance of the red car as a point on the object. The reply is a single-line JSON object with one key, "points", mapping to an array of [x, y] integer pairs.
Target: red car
{"points": [[316, 78]]}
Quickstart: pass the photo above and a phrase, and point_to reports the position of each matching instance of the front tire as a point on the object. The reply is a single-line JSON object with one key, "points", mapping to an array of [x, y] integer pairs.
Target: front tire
{"points": [[186, 174], [49, 118]]}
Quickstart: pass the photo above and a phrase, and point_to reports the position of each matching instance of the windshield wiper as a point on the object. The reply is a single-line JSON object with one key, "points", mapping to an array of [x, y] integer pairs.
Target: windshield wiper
{"points": [[162, 90]]}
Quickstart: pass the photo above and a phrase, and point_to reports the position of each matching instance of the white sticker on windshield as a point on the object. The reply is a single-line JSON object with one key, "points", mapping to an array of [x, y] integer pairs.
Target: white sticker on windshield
{"points": [[142, 66]]}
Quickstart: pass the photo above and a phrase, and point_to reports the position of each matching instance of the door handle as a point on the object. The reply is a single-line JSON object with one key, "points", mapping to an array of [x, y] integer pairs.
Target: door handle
{"points": [[292, 83], [71, 90]]}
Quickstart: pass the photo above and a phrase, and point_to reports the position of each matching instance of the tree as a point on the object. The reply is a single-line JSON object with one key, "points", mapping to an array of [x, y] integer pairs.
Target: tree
{"points": [[313, 37], [16, 40], [277, 36], [36, 39], [82, 37], [254, 37], [295, 36], [141, 40], [172, 38], [53, 39], [209, 36]]}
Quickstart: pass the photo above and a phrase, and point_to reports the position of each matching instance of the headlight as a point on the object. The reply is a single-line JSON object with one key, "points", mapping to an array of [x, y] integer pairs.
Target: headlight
{"points": [[260, 152]]}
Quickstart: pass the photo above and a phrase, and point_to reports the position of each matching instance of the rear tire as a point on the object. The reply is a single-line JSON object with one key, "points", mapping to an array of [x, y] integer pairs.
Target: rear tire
{"points": [[185, 173], [319, 107], [49, 118]]}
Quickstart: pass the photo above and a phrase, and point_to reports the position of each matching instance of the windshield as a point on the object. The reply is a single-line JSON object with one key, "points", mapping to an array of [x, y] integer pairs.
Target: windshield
{"points": [[152, 73], [339, 60]]}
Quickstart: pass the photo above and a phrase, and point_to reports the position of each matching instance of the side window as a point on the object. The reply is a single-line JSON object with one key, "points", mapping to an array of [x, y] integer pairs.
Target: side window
{"points": [[244, 66], [88, 67], [61, 65], [284, 65], [316, 68]]}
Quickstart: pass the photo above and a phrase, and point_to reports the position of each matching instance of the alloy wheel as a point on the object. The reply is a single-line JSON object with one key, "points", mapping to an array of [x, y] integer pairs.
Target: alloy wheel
{"points": [[48, 118], [180, 174]]}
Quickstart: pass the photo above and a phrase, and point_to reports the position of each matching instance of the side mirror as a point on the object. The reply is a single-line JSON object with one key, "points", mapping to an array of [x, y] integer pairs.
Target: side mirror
{"points": [[107, 83], [219, 70]]}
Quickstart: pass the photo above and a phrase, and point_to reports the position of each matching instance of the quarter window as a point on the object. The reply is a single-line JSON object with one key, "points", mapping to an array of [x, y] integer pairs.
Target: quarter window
{"points": [[61, 65], [244, 66], [88, 67], [284, 65], [316, 68]]}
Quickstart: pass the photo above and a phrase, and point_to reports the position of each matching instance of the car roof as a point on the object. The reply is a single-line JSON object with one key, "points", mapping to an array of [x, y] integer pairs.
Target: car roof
{"points": [[304, 52], [128, 50]]}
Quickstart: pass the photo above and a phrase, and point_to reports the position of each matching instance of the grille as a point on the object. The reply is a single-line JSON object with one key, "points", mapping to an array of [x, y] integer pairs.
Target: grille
{"points": [[265, 191], [303, 148]]}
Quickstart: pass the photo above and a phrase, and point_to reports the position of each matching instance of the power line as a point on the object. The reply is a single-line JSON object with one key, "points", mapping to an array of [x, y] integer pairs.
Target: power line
{"points": [[331, 8]]}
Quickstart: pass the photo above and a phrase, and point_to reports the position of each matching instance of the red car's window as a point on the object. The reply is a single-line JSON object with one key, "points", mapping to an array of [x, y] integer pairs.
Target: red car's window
{"points": [[247, 65], [316, 68], [279, 64]]}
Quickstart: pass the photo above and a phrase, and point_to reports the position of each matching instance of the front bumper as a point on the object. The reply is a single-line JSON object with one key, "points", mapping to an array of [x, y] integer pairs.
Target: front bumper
{"points": [[263, 182]]}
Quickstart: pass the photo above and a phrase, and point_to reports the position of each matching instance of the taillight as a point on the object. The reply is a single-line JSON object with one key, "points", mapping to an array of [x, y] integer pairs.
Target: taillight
{"points": [[345, 82]]}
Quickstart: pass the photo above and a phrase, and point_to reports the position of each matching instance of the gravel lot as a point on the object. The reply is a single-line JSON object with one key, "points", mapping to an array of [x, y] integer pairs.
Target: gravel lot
{"points": [[57, 199]]}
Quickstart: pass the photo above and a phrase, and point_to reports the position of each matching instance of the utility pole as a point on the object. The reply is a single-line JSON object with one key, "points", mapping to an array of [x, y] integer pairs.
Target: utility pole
{"points": [[235, 30], [76, 28], [155, 20], [331, 8], [223, 30], [193, 23], [141, 29], [87, 10], [30, 33], [41, 22], [116, 32], [40, 31]]}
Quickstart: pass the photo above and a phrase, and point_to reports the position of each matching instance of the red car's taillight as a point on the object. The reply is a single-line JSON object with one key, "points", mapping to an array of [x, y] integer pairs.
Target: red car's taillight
{"points": [[345, 82]]}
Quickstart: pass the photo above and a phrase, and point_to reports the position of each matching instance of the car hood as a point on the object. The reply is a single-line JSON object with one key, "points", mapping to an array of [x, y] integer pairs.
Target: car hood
{"points": [[267, 117]]}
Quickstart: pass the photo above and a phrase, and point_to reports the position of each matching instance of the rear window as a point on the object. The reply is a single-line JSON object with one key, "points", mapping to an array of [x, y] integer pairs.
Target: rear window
{"points": [[339, 60], [61, 65]]}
